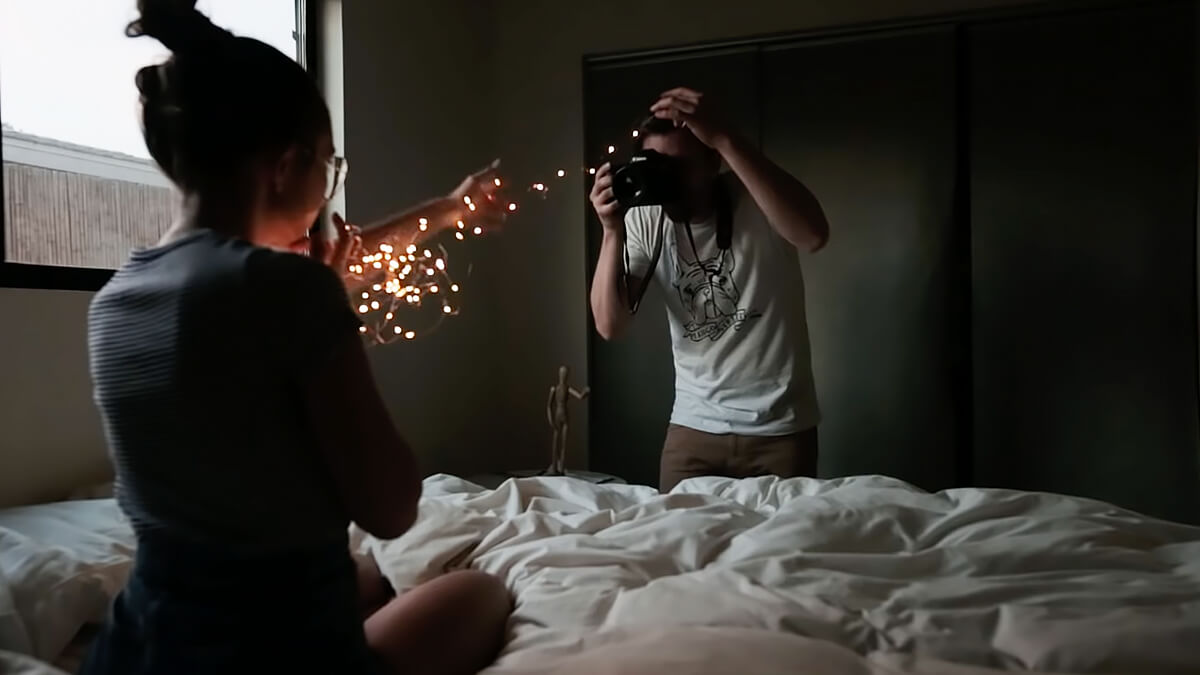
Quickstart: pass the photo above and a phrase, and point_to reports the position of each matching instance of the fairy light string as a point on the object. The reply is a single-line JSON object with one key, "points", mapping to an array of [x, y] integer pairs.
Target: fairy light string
{"points": [[402, 292]]}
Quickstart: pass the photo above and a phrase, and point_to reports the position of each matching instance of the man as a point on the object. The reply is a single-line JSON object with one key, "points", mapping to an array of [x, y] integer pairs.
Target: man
{"points": [[745, 404]]}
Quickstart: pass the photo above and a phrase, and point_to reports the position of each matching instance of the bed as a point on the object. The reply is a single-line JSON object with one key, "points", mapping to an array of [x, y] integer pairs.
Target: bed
{"points": [[862, 575]]}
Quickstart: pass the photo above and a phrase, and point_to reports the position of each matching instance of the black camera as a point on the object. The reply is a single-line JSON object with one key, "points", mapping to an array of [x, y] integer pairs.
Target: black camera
{"points": [[649, 178]]}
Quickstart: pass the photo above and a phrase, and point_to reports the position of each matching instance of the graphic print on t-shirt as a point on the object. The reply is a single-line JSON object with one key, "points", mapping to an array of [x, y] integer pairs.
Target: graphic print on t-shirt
{"points": [[709, 294]]}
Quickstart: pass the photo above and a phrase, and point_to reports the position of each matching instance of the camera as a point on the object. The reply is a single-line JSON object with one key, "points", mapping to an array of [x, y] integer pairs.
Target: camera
{"points": [[649, 178]]}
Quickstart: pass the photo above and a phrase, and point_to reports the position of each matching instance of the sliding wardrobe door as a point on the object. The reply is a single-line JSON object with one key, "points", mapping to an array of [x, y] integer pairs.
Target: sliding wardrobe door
{"points": [[869, 126], [632, 379], [1084, 251]]}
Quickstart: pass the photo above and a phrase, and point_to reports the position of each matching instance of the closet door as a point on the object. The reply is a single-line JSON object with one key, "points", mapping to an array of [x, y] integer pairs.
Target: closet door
{"points": [[1084, 248], [632, 379], [869, 126]]}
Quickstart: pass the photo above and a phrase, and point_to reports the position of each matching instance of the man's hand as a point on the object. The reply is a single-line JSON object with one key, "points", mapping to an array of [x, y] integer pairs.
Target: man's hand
{"points": [[609, 210], [687, 108]]}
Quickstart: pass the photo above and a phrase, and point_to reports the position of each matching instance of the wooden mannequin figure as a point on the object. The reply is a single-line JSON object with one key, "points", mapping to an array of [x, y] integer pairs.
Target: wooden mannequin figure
{"points": [[557, 414]]}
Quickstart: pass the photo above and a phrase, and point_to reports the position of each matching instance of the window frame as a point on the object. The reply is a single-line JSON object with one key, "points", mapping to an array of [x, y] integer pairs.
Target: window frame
{"points": [[61, 277]]}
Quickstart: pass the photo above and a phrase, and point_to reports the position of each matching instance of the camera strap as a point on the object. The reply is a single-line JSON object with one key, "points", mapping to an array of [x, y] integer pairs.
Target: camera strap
{"points": [[724, 207], [635, 301]]}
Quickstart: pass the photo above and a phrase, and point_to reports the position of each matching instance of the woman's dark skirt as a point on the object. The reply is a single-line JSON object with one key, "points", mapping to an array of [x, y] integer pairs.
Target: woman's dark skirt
{"points": [[190, 609]]}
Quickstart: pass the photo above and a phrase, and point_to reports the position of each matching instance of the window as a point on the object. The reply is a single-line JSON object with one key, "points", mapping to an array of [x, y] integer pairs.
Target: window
{"points": [[79, 187]]}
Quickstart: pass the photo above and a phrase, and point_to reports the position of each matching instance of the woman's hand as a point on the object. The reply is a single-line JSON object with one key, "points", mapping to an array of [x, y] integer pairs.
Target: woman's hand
{"points": [[478, 202], [336, 253]]}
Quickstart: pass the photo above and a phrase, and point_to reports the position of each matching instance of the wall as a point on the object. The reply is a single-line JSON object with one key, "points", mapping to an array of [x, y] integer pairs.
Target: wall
{"points": [[50, 435], [537, 69], [415, 98]]}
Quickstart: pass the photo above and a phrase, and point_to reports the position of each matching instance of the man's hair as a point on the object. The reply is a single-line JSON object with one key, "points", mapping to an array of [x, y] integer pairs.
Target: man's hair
{"points": [[656, 126]]}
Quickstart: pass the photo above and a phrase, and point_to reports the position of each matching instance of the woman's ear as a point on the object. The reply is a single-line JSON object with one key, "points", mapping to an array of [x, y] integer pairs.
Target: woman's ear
{"points": [[283, 173]]}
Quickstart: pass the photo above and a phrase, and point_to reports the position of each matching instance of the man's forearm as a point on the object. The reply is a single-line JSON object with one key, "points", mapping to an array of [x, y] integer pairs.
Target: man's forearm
{"points": [[790, 207], [610, 307]]}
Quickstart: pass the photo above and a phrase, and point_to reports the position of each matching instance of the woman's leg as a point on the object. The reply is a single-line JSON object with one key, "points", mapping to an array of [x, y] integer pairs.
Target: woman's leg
{"points": [[452, 625]]}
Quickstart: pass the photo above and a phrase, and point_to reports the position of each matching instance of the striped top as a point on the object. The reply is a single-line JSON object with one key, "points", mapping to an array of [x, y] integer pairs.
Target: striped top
{"points": [[196, 351]]}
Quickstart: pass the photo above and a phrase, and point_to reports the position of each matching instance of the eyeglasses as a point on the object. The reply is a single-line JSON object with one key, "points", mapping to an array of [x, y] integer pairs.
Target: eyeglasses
{"points": [[336, 169]]}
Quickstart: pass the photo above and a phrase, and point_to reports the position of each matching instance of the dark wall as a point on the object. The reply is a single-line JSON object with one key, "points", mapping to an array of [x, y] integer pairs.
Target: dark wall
{"points": [[1083, 178], [1009, 293]]}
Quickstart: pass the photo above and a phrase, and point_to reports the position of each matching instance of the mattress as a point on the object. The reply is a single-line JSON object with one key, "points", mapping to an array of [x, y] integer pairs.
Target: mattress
{"points": [[862, 575]]}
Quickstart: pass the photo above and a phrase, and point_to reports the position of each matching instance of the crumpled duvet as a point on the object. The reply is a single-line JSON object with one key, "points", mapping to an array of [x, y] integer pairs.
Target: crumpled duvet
{"points": [[891, 578]]}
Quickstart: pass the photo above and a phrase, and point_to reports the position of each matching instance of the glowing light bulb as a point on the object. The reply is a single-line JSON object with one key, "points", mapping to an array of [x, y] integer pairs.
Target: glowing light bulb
{"points": [[423, 221], [428, 272], [539, 187], [454, 287], [561, 173], [432, 289], [471, 207], [362, 309], [375, 304], [592, 172], [367, 258], [440, 264], [362, 329], [410, 335], [411, 248], [512, 206], [377, 265], [390, 316], [366, 295], [459, 236], [635, 133], [428, 254], [446, 309], [611, 149], [461, 224], [397, 330], [376, 287], [395, 264], [466, 199], [478, 230], [386, 248], [497, 182]]}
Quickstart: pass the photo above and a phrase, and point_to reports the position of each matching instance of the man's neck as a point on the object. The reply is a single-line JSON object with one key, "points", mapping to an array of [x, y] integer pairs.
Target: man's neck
{"points": [[699, 209]]}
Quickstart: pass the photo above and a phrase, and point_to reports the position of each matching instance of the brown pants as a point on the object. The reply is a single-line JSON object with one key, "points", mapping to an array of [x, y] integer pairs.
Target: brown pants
{"points": [[688, 453]]}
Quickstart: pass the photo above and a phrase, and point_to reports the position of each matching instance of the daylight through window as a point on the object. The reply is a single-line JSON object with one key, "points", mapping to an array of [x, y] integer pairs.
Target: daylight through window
{"points": [[79, 187]]}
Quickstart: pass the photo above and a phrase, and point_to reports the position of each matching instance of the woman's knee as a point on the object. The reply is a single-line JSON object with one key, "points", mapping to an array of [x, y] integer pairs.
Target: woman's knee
{"points": [[485, 592]]}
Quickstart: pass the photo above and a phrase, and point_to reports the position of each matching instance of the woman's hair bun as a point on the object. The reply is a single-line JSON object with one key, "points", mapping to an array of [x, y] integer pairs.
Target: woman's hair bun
{"points": [[175, 23]]}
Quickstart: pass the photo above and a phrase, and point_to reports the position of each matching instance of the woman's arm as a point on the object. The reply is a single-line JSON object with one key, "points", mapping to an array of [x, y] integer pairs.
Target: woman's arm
{"points": [[372, 467], [474, 202]]}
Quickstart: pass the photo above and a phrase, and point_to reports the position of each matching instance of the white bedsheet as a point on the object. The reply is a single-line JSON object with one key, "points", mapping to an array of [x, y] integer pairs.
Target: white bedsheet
{"points": [[858, 576], [903, 580]]}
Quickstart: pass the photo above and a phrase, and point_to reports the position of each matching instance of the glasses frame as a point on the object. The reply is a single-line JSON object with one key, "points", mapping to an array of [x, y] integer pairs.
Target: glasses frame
{"points": [[336, 168]]}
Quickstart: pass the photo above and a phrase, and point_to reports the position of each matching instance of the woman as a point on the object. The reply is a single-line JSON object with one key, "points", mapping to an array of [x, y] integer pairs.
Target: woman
{"points": [[242, 418]]}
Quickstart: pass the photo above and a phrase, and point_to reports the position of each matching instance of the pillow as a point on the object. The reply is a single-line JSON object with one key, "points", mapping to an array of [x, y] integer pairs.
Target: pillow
{"points": [[60, 567]]}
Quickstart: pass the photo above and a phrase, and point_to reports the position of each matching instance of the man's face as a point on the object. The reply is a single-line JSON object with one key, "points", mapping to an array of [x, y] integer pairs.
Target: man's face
{"points": [[700, 167]]}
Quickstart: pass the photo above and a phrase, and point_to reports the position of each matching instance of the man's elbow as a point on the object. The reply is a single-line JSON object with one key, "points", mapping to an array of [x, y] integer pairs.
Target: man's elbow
{"points": [[814, 237], [819, 239], [609, 329], [607, 326]]}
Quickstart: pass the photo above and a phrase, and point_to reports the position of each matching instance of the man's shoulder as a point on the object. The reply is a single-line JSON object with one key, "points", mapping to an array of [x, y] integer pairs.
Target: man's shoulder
{"points": [[640, 219]]}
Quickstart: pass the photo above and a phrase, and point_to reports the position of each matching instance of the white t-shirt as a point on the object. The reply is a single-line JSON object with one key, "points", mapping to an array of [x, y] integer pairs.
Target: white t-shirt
{"points": [[738, 327]]}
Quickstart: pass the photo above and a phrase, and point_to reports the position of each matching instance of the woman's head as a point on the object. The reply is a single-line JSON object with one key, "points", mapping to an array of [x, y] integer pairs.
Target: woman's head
{"points": [[235, 123]]}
